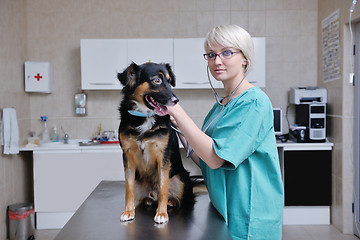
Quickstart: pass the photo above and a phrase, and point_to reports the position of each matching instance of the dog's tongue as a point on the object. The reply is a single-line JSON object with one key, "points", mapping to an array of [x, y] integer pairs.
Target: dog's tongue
{"points": [[158, 108], [161, 110]]}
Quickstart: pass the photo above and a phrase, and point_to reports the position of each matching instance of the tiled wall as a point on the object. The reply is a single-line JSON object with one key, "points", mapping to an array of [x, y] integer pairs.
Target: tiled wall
{"points": [[15, 184], [49, 30], [55, 30], [340, 117]]}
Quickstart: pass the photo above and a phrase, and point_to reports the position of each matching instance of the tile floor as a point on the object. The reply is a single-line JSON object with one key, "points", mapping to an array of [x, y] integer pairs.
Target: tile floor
{"points": [[290, 232]]}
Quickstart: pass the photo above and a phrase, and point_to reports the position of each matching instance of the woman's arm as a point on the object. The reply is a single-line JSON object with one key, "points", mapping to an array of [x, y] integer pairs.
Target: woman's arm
{"points": [[201, 143]]}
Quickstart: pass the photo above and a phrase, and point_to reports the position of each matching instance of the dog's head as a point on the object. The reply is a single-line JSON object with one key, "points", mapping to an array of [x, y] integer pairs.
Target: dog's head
{"points": [[149, 86]]}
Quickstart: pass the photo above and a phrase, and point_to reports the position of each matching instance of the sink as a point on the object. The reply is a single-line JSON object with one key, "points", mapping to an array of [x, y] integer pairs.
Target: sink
{"points": [[61, 144]]}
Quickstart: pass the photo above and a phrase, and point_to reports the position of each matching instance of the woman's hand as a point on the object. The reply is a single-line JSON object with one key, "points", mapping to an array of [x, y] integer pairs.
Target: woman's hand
{"points": [[171, 111], [173, 122], [200, 142]]}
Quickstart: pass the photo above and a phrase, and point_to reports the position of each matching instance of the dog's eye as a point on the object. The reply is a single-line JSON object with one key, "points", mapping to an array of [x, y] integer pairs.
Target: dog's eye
{"points": [[157, 81]]}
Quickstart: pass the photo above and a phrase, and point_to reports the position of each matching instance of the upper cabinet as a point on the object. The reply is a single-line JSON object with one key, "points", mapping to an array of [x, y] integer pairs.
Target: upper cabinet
{"points": [[102, 59], [150, 50], [190, 67], [257, 75]]}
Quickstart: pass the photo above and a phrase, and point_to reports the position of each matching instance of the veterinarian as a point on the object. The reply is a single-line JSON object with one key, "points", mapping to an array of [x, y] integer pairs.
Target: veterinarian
{"points": [[236, 147]]}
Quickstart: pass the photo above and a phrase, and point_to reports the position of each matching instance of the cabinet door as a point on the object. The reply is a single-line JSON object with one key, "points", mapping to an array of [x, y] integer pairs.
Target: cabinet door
{"points": [[257, 75], [150, 50], [101, 60], [62, 181], [307, 178], [190, 65]]}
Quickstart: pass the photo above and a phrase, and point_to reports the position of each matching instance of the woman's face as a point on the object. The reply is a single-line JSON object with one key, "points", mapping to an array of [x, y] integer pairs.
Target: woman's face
{"points": [[226, 66]]}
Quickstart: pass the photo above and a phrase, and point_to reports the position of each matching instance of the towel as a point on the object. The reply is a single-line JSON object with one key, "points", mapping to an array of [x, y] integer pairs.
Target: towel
{"points": [[9, 135]]}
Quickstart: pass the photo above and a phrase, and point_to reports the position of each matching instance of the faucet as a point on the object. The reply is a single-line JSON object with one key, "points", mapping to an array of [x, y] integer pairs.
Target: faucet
{"points": [[66, 136]]}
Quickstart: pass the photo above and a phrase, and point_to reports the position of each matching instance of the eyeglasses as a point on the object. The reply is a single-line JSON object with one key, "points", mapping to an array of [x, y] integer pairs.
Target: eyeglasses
{"points": [[225, 54]]}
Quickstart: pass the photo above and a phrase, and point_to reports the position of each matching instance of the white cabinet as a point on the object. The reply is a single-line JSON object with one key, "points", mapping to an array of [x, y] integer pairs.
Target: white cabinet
{"points": [[257, 75], [38, 77], [64, 179], [101, 60], [190, 67], [150, 50]]}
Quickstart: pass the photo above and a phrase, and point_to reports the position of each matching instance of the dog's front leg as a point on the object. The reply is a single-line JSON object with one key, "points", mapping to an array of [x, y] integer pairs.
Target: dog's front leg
{"points": [[129, 213], [161, 212]]}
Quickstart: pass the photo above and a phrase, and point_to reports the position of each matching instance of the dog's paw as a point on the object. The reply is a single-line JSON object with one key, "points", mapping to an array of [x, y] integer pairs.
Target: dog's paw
{"points": [[161, 217], [127, 216]]}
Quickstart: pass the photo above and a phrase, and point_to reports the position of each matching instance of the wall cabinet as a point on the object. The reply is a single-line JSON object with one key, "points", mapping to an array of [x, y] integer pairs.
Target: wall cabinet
{"points": [[150, 50], [102, 59], [190, 67], [257, 75], [64, 179]]}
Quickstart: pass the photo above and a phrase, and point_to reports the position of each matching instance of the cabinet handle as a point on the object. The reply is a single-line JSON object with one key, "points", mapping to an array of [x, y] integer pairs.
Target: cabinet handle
{"points": [[103, 84], [195, 83]]}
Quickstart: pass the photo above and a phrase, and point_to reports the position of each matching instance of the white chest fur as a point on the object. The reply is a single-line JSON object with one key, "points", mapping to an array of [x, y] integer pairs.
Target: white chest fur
{"points": [[147, 125]]}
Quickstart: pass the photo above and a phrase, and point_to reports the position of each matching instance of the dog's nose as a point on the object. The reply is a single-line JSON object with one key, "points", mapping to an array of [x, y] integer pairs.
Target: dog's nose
{"points": [[175, 100]]}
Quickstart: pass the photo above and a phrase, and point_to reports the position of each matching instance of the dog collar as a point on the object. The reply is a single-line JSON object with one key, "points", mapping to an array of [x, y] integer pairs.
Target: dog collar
{"points": [[141, 114]]}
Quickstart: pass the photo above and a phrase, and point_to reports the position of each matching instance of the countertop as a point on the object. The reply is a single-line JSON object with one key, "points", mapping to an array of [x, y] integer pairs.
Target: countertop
{"points": [[290, 145], [73, 146], [99, 218], [116, 146]]}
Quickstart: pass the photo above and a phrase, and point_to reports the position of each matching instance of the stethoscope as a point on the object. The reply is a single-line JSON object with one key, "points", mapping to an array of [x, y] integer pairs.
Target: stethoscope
{"points": [[218, 100], [217, 96]]}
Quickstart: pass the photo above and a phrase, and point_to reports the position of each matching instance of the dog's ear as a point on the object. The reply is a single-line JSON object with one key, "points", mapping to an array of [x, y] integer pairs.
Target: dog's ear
{"points": [[172, 80], [127, 77]]}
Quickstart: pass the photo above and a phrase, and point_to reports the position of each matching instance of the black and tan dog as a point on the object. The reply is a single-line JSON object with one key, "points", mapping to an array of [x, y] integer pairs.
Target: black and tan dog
{"points": [[152, 162]]}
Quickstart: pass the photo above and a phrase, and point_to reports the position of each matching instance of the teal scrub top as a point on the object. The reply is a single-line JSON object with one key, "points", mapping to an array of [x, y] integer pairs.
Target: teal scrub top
{"points": [[247, 190]]}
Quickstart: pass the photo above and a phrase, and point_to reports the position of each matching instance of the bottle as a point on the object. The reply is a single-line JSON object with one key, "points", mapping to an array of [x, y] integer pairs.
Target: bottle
{"points": [[54, 136], [45, 134]]}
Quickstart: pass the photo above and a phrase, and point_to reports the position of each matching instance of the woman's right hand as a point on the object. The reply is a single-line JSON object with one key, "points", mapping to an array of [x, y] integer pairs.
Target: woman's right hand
{"points": [[173, 122]]}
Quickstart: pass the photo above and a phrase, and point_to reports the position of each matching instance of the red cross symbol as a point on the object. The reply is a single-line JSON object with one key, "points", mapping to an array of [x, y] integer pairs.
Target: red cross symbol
{"points": [[38, 77]]}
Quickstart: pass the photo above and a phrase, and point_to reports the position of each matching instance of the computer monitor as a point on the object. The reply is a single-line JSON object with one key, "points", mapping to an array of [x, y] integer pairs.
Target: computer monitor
{"points": [[278, 121]]}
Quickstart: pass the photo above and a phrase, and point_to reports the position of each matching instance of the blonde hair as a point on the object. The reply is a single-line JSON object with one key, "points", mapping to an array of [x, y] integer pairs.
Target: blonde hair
{"points": [[232, 36]]}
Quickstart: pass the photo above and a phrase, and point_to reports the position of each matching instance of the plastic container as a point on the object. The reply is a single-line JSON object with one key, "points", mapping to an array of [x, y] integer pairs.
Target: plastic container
{"points": [[21, 221], [54, 136], [45, 134]]}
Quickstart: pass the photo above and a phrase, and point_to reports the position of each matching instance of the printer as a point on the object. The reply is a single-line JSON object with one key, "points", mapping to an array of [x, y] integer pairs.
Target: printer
{"points": [[310, 104], [306, 95]]}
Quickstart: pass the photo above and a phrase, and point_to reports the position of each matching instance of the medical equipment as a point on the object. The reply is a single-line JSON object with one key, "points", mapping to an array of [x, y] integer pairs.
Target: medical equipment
{"points": [[217, 96], [219, 102]]}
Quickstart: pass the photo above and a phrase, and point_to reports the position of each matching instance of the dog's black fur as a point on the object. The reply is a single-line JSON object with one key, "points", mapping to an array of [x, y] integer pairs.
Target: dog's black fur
{"points": [[153, 168]]}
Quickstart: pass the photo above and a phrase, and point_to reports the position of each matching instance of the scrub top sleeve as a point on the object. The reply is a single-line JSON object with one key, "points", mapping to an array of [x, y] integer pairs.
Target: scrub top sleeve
{"points": [[237, 136]]}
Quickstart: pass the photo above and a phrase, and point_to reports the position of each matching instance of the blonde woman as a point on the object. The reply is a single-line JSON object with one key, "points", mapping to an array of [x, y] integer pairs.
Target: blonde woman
{"points": [[236, 147]]}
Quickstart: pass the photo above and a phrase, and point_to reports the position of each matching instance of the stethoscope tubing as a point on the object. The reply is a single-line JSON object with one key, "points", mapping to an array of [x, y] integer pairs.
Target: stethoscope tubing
{"points": [[188, 152], [217, 97]]}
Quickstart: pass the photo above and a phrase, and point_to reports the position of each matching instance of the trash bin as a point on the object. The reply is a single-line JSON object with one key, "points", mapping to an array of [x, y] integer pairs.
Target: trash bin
{"points": [[21, 221]]}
